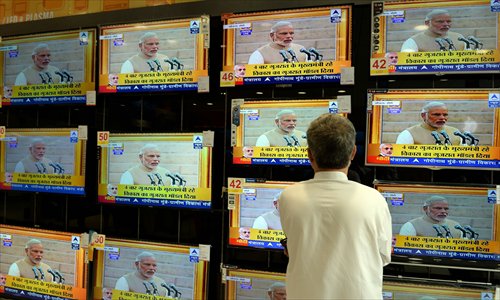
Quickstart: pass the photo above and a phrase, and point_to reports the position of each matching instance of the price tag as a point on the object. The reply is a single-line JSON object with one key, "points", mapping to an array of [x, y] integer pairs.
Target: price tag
{"points": [[226, 79], [2, 132], [98, 241], [102, 138]]}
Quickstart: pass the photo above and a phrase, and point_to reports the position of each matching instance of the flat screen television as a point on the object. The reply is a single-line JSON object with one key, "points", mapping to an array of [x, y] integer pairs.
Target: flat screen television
{"points": [[286, 46], [254, 219], [60, 272], [253, 284], [169, 55], [418, 289], [50, 160], [455, 128], [161, 169], [271, 132], [456, 224], [434, 37], [175, 271], [48, 68]]}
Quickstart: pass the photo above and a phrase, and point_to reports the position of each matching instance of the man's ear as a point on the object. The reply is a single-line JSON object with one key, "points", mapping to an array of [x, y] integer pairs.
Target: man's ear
{"points": [[353, 153]]}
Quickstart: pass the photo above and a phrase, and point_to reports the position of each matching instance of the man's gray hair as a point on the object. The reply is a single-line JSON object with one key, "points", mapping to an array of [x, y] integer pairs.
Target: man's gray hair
{"points": [[279, 25], [32, 242], [39, 48], [284, 112], [435, 12], [383, 145], [434, 199], [36, 141], [331, 140], [147, 148], [143, 255], [276, 285], [428, 106], [146, 36]]}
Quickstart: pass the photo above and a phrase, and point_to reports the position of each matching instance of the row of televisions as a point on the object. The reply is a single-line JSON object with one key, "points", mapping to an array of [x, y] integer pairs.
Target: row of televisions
{"points": [[64, 272], [179, 173], [179, 57]]}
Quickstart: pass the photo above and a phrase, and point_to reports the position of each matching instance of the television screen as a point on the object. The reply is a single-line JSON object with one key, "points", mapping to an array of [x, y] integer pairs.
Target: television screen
{"points": [[40, 264], [156, 56], [443, 221], [167, 169], [434, 37], [48, 160], [144, 270], [434, 129], [420, 290], [274, 132], [288, 46], [254, 218], [244, 284], [50, 68]]}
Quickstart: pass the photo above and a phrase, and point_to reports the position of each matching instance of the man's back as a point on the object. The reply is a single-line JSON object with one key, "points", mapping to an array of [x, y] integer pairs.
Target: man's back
{"points": [[339, 237]]}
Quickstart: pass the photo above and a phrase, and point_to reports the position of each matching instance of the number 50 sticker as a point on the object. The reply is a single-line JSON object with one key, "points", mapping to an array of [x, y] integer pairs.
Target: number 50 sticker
{"points": [[102, 137]]}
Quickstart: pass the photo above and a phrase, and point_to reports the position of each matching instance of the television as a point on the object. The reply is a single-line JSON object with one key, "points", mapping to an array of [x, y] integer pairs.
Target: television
{"points": [[160, 169], [454, 224], [49, 68], [50, 160], [61, 271], [254, 219], [258, 46], [253, 284], [273, 132], [434, 37], [420, 289], [161, 56], [179, 271], [466, 138]]}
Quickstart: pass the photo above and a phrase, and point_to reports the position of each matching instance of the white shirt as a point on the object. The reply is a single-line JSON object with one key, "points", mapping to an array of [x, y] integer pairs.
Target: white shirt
{"points": [[339, 238], [127, 67], [262, 141], [122, 284], [408, 229], [21, 79], [409, 46], [127, 178], [405, 137], [14, 270], [256, 58]]}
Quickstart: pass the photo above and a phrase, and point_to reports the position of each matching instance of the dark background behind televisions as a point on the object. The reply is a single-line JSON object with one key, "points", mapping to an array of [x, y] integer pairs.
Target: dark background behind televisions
{"points": [[188, 112]]}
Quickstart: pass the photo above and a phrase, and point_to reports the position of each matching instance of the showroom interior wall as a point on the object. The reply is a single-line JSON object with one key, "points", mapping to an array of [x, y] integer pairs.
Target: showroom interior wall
{"points": [[195, 112]]}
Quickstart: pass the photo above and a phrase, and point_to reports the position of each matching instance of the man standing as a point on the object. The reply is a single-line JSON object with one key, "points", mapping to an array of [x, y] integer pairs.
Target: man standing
{"points": [[435, 213], [35, 161], [284, 135], [31, 266], [148, 60], [147, 172], [280, 49], [270, 219], [143, 279], [339, 231], [432, 130], [436, 37], [40, 72]]}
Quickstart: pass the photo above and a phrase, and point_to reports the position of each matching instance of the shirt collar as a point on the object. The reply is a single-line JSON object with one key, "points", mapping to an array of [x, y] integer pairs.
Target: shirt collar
{"points": [[330, 175]]}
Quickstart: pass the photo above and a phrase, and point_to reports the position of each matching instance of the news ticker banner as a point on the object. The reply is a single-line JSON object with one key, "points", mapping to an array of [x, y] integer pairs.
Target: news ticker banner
{"points": [[124, 295], [182, 80], [443, 247], [487, 157], [285, 73], [60, 93], [49, 183], [258, 238], [438, 62], [27, 288], [272, 156], [156, 195]]}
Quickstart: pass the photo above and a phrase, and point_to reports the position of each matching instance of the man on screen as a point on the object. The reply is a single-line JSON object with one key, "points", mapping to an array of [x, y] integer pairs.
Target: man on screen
{"points": [[270, 219], [392, 58], [107, 293], [40, 72], [148, 59], [434, 222], [285, 134], [148, 171], [244, 233], [277, 291], [35, 161], [3, 279], [31, 266], [143, 280], [280, 49], [437, 36], [7, 92], [385, 149], [433, 129]]}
